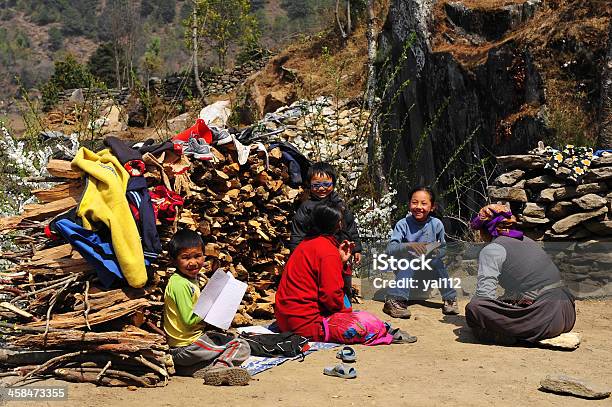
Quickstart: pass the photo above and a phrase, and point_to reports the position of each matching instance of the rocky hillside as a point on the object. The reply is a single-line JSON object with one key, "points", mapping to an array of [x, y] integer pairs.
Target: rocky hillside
{"points": [[34, 33], [484, 77]]}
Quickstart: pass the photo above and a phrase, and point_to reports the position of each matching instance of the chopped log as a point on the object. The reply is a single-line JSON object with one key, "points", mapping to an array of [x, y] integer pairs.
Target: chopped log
{"points": [[90, 375], [17, 310], [48, 210], [90, 340], [72, 189], [77, 319], [62, 169], [28, 357]]}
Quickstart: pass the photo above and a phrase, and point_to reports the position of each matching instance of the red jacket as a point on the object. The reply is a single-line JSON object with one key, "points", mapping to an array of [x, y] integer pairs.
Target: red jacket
{"points": [[311, 287]]}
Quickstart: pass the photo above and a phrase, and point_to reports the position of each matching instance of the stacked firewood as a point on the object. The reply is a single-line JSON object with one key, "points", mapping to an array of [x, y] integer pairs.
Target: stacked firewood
{"points": [[56, 318]]}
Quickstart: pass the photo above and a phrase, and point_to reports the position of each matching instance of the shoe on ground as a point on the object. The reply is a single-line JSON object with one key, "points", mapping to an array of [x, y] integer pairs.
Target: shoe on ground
{"points": [[199, 149], [400, 336], [230, 376], [450, 307], [396, 308]]}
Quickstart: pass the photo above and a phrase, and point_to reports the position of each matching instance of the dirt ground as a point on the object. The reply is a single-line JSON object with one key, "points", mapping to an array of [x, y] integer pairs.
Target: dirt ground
{"points": [[445, 367]]}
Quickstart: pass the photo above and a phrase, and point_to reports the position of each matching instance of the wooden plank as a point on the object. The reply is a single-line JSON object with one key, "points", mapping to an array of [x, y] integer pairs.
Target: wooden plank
{"points": [[72, 189], [48, 210], [62, 169], [53, 253], [77, 319]]}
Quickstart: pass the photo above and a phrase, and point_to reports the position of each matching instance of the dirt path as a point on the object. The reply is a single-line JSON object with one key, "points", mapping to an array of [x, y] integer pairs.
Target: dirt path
{"points": [[445, 367]]}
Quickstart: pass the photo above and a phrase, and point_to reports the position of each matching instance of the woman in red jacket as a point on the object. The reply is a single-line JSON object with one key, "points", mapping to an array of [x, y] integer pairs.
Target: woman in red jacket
{"points": [[310, 297]]}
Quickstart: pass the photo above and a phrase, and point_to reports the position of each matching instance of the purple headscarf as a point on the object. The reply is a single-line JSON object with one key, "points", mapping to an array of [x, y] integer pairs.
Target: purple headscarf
{"points": [[497, 220]]}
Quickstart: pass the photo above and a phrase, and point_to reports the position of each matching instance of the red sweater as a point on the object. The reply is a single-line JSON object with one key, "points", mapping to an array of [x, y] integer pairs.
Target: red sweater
{"points": [[311, 287]]}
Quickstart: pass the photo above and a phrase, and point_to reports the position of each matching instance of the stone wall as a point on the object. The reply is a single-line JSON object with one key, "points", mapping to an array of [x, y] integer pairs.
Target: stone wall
{"points": [[182, 86], [573, 220]]}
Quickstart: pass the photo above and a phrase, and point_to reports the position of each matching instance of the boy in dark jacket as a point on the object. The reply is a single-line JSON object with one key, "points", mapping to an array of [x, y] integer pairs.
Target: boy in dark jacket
{"points": [[322, 181]]}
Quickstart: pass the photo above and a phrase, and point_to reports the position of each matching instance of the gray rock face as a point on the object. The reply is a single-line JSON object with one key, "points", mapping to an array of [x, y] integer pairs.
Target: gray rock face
{"points": [[472, 97], [566, 224], [576, 387], [509, 178], [590, 201], [490, 25]]}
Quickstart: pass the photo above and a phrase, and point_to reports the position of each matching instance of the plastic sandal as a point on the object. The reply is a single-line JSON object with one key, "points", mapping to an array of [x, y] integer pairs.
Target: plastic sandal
{"points": [[347, 354], [341, 370]]}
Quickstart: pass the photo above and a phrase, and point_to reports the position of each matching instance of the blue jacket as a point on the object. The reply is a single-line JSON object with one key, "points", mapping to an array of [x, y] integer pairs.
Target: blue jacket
{"points": [[409, 230]]}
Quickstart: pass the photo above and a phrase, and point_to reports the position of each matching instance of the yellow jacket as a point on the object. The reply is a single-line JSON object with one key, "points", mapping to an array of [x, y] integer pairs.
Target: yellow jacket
{"points": [[104, 201]]}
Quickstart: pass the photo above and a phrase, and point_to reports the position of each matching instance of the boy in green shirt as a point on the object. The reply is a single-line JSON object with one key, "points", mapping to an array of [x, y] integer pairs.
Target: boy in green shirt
{"points": [[210, 355]]}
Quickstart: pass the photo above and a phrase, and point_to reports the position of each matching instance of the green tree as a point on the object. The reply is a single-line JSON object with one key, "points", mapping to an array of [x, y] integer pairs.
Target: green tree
{"points": [[146, 7], [56, 38], [68, 74], [257, 4], [223, 24], [297, 9], [166, 11], [151, 60], [101, 64]]}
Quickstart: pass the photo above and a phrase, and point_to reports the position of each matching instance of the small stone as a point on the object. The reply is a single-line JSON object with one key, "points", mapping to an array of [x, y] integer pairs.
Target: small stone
{"points": [[77, 96], [327, 111], [543, 181], [507, 194], [602, 161], [527, 220], [343, 122], [567, 340], [599, 174], [534, 210], [547, 195], [568, 385], [566, 224], [520, 184], [509, 178], [590, 201], [560, 210], [571, 191]]}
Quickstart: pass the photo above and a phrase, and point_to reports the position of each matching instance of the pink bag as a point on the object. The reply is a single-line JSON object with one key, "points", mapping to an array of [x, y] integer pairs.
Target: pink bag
{"points": [[356, 327]]}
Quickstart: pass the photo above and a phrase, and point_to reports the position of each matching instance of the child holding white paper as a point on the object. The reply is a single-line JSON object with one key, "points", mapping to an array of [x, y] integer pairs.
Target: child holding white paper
{"points": [[210, 355]]}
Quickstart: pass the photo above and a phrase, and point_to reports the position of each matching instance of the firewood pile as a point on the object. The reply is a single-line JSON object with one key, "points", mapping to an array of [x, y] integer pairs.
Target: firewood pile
{"points": [[57, 320]]}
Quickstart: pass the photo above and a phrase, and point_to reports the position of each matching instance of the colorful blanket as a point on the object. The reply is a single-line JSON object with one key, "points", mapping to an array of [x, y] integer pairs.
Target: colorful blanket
{"points": [[257, 364]]}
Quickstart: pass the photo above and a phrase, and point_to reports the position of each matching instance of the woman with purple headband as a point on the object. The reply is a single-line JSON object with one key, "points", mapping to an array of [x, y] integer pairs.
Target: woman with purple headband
{"points": [[535, 304]]}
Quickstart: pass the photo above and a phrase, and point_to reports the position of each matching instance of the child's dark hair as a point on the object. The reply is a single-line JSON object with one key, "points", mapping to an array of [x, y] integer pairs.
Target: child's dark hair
{"points": [[322, 168], [183, 239], [432, 194], [325, 217], [432, 198]]}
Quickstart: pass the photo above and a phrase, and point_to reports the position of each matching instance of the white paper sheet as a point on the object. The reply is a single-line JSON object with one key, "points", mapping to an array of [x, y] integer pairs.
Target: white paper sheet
{"points": [[220, 299], [223, 310]]}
